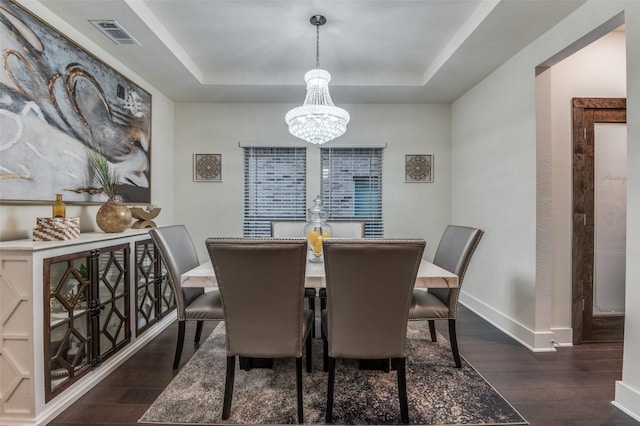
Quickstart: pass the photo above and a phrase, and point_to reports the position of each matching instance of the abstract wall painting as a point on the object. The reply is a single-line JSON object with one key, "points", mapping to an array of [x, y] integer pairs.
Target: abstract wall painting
{"points": [[57, 101], [418, 168]]}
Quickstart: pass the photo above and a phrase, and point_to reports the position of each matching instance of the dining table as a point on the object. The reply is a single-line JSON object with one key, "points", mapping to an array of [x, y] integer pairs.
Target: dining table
{"points": [[429, 276]]}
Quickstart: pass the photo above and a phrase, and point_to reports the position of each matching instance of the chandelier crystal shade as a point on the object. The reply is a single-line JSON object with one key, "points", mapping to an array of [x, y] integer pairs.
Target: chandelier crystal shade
{"points": [[318, 120]]}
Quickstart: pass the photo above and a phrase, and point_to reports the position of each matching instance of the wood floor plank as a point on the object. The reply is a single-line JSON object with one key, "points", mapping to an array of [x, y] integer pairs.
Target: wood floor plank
{"points": [[571, 387]]}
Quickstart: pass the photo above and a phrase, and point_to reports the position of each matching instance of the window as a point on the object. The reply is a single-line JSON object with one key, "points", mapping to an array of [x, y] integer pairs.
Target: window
{"points": [[274, 188], [352, 186]]}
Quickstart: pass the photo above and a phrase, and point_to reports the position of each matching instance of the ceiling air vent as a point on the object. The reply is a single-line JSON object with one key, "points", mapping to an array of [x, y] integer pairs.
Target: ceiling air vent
{"points": [[115, 32]]}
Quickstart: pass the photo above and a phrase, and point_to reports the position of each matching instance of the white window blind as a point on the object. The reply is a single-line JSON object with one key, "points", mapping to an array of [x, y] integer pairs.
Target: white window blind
{"points": [[352, 186], [274, 188]]}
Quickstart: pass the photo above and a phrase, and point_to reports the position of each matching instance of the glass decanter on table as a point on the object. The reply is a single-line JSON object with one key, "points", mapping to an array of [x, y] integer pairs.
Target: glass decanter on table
{"points": [[317, 230]]}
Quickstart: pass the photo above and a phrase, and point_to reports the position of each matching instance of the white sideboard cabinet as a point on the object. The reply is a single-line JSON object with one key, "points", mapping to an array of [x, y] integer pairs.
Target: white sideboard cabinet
{"points": [[70, 313]]}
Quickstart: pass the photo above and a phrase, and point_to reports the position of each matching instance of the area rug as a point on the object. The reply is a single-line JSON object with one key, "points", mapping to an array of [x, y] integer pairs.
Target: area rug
{"points": [[439, 393]]}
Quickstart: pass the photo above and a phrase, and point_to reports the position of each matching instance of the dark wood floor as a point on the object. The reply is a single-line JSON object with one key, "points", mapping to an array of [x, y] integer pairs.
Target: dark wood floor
{"points": [[573, 386]]}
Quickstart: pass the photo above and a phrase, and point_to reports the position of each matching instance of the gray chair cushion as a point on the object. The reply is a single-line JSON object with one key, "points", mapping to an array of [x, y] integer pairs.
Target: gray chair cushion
{"points": [[208, 306], [426, 306]]}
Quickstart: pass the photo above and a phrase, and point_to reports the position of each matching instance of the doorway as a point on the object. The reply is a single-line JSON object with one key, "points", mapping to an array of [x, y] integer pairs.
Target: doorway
{"points": [[599, 219]]}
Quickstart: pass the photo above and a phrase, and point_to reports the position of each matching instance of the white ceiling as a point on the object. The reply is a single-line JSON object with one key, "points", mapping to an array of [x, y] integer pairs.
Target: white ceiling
{"points": [[391, 51]]}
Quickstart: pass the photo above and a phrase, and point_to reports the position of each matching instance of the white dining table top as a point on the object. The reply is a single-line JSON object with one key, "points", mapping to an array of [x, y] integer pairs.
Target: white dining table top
{"points": [[429, 276]]}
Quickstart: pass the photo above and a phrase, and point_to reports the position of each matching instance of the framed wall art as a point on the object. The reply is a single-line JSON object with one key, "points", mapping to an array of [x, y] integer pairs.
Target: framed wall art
{"points": [[57, 103], [418, 168], [207, 167]]}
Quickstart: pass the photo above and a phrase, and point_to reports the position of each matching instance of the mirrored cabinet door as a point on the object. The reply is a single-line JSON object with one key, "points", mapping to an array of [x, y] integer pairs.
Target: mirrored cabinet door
{"points": [[112, 304], [68, 342], [86, 313], [155, 297]]}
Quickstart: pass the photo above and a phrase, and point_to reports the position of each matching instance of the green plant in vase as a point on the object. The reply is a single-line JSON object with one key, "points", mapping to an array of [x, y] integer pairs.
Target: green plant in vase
{"points": [[114, 215], [105, 176]]}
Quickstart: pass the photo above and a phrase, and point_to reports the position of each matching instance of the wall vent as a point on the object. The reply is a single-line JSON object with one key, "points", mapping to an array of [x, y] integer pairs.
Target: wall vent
{"points": [[115, 32]]}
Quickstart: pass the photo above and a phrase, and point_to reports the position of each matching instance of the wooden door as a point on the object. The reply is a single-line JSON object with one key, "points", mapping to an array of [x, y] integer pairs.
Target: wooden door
{"points": [[587, 112]]}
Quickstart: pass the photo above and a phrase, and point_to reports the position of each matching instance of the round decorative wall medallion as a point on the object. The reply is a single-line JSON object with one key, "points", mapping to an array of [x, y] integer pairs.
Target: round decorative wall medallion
{"points": [[208, 167], [418, 168]]}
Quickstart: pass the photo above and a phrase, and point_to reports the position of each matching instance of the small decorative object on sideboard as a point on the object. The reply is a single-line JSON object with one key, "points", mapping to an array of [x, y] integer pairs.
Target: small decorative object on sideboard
{"points": [[114, 215], [145, 216], [59, 209], [56, 228]]}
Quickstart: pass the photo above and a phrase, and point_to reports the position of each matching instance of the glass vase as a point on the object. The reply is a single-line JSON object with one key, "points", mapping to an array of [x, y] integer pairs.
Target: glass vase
{"points": [[317, 230], [59, 209]]}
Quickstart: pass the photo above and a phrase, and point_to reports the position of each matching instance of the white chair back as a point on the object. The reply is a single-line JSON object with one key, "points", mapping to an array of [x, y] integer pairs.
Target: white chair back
{"points": [[295, 229], [287, 229], [346, 229]]}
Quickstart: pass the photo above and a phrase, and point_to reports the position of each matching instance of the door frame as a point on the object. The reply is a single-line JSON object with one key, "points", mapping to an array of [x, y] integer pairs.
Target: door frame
{"points": [[587, 112]]}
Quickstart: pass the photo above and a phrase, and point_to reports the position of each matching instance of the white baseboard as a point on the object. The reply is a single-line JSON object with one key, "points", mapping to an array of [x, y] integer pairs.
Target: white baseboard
{"points": [[532, 340], [563, 337], [627, 400], [82, 386]]}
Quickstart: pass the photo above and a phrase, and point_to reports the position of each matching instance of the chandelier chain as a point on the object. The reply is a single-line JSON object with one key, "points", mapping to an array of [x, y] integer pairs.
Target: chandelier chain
{"points": [[318, 45]]}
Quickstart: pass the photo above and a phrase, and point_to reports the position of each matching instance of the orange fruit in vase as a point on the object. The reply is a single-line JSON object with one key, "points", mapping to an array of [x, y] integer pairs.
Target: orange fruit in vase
{"points": [[317, 246], [312, 237]]}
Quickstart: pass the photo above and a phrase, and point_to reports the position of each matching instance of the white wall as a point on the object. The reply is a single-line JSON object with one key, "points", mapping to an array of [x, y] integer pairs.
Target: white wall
{"points": [[494, 186], [628, 389], [598, 70], [215, 209], [17, 221]]}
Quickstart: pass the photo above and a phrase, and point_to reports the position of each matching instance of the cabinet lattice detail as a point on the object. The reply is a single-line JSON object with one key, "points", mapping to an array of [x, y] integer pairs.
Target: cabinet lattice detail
{"points": [[154, 296]]}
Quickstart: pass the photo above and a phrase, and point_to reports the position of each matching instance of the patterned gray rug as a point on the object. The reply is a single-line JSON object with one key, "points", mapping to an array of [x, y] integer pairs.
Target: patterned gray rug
{"points": [[439, 394]]}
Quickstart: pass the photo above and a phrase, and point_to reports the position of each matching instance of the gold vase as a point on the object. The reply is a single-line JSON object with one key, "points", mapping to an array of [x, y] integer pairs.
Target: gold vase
{"points": [[113, 216]]}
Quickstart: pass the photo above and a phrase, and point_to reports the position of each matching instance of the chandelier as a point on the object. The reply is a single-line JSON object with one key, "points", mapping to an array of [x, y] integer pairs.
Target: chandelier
{"points": [[318, 120]]}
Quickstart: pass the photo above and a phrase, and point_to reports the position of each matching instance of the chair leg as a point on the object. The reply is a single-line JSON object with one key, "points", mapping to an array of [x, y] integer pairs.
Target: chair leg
{"points": [[299, 389], [325, 352], [309, 347], [312, 306], [330, 385], [228, 387], [454, 342], [198, 331], [179, 344], [402, 390], [432, 330]]}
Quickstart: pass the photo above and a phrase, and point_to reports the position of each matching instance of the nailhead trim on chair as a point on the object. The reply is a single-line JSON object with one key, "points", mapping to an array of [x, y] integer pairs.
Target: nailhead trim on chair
{"points": [[462, 274]]}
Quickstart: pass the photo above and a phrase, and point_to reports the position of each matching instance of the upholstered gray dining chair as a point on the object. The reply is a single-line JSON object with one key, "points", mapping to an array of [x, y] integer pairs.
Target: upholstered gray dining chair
{"points": [[369, 289], [295, 229], [272, 323], [193, 304], [341, 229], [454, 252]]}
